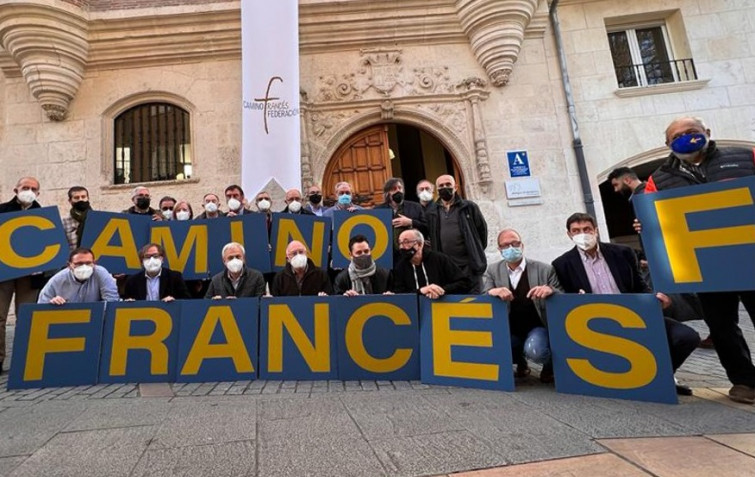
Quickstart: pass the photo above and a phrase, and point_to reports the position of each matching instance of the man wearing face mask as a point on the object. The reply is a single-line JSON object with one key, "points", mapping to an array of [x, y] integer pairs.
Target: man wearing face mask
{"points": [[524, 284], [156, 282], [406, 213], [344, 200], [362, 277], [26, 190], [458, 229], [211, 204], [234, 196], [314, 201], [294, 203], [238, 280], [420, 270], [425, 190], [82, 281], [604, 268], [300, 277], [166, 206], [73, 223], [696, 159], [141, 198]]}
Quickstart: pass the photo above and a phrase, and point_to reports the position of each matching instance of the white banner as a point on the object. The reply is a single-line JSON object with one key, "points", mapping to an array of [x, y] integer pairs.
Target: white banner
{"points": [[270, 136]]}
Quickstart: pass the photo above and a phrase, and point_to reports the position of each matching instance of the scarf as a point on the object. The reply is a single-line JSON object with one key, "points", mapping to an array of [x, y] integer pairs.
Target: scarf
{"points": [[360, 279], [81, 218]]}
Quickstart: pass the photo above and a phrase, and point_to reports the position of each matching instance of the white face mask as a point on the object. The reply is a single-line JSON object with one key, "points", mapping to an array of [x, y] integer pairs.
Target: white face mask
{"points": [[26, 197], [152, 264], [234, 204], [83, 272], [294, 206], [234, 265], [264, 204], [299, 261], [167, 214], [183, 215], [425, 196], [585, 241], [211, 207]]}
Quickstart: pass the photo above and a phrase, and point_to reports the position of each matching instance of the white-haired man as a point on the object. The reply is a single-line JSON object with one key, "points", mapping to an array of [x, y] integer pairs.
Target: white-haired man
{"points": [[237, 280], [141, 198], [343, 200]]}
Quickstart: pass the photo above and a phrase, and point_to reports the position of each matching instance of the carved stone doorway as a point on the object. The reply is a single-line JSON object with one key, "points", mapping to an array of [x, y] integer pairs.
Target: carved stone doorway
{"points": [[373, 155]]}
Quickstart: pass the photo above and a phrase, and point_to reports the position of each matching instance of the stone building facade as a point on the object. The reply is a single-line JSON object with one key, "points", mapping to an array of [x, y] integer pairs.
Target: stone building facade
{"points": [[479, 78]]}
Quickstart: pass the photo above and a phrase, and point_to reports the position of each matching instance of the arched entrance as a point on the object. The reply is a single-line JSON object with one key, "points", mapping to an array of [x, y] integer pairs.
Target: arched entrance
{"points": [[618, 209], [371, 156]]}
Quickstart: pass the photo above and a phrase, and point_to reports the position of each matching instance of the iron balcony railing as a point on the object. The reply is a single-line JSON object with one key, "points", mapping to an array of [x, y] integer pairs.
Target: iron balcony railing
{"points": [[658, 72]]}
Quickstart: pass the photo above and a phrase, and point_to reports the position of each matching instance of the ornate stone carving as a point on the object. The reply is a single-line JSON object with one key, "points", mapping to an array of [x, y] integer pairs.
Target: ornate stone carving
{"points": [[452, 116], [385, 68], [306, 164], [473, 90], [50, 46], [386, 110], [496, 29]]}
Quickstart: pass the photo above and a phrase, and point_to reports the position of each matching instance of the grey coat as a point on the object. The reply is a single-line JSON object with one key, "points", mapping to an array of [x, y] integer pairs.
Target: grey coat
{"points": [[538, 273], [252, 284]]}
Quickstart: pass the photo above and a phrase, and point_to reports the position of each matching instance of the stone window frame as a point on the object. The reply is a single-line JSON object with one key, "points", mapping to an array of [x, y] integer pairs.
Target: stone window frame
{"points": [[677, 45], [108, 136]]}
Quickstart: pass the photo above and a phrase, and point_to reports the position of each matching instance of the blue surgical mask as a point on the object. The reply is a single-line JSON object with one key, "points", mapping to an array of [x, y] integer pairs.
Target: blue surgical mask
{"points": [[344, 199], [689, 143], [512, 254]]}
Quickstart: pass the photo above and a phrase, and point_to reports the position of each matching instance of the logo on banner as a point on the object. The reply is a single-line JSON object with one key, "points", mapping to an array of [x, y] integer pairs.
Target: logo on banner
{"points": [[272, 106]]}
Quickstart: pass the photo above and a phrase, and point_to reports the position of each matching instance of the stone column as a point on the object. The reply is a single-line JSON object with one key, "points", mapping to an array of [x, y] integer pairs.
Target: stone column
{"points": [[473, 91], [306, 162]]}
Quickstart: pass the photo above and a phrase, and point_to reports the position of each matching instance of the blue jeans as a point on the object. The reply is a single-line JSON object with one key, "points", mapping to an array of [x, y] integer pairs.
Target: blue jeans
{"points": [[534, 347]]}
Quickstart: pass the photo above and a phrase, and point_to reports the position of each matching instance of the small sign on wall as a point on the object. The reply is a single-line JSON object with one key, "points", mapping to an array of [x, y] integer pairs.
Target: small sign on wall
{"points": [[523, 188], [519, 163]]}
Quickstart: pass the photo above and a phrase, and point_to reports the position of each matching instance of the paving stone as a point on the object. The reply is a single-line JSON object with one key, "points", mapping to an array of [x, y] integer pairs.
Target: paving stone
{"points": [[436, 454], [155, 390], [26, 429], [191, 423], [218, 460], [113, 414], [111, 452], [271, 387], [700, 416], [608, 464], [742, 442], [326, 454], [7, 464]]}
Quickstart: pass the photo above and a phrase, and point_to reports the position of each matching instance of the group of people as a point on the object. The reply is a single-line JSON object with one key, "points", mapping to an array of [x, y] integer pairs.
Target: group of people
{"points": [[439, 249]]}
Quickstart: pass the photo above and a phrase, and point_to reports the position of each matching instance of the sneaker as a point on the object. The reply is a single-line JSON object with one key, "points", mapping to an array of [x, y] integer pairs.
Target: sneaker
{"points": [[742, 393], [707, 343]]}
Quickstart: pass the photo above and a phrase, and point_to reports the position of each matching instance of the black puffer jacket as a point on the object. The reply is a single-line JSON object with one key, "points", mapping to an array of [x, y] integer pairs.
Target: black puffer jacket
{"points": [[473, 226], [719, 164]]}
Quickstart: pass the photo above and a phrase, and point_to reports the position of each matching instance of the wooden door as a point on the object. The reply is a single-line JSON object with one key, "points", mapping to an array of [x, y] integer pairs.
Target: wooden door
{"points": [[363, 162]]}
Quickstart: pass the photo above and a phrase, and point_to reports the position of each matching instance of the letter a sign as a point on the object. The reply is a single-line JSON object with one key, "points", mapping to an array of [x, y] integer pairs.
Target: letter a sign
{"points": [[519, 163]]}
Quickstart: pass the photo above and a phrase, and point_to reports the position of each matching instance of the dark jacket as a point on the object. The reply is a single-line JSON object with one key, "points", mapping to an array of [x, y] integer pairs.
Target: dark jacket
{"points": [[315, 281], [302, 211], [382, 281], [132, 210], [412, 210], [252, 284], [719, 164], [474, 229], [15, 206], [203, 215], [441, 271], [171, 284], [621, 260]]}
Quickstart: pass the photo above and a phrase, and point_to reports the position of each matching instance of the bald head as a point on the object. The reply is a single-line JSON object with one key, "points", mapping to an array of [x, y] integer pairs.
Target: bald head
{"points": [[685, 125], [293, 194], [295, 248], [445, 181]]}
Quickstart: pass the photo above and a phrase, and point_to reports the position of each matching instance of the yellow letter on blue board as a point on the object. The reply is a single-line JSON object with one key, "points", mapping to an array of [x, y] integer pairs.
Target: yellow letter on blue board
{"points": [[444, 338], [40, 343], [13, 259], [288, 231], [196, 239], [127, 248], [123, 342], [682, 243], [355, 343], [316, 355], [234, 347], [643, 366]]}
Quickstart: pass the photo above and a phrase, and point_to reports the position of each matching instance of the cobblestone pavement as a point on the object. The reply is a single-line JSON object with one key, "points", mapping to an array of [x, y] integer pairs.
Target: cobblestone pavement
{"points": [[263, 428]]}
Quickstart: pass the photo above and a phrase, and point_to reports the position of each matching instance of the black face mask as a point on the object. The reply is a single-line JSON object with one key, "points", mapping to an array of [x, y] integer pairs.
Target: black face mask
{"points": [[81, 205], [142, 203], [362, 262], [315, 198], [398, 197], [407, 253], [446, 193]]}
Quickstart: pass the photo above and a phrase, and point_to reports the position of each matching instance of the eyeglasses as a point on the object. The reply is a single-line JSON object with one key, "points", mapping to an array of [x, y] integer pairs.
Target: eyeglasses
{"points": [[512, 244], [407, 242], [166, 208]]}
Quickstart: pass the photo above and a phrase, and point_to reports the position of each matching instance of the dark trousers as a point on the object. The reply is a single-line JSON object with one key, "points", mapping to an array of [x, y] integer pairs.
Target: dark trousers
{"points": [[682, 341], [721, 310]]}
